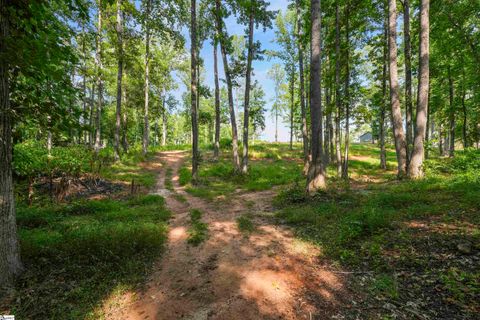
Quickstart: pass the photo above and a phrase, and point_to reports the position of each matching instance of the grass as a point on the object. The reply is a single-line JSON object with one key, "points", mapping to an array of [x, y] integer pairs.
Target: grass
{"points": [[218, 179], [168, 179], [198, 231], [404, 233], [245, 224], [76, 255], [128, 169]]}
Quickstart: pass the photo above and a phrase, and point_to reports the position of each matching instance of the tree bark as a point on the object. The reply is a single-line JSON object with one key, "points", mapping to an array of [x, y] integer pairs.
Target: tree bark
{"points": [[91, 131], [98, 58], [415, 169], [338, 99], [399, 135], [125, 119], [465, 122], [164, 123], [233, 121], [451, 149], [246, 121], [193, 88], [303, 108], [408, 75], [316, 179], [216, 150], [146, 125], [347, 95], [118, 113], [383, 107], [84, 86], [292, 105], [10, 264]]}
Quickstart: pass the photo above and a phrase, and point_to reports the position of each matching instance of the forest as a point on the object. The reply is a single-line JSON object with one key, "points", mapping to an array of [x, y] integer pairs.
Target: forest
{"points": [[240, 159]]}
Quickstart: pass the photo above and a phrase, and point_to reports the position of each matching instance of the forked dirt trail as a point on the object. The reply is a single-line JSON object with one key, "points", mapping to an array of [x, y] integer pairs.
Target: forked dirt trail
{"points": [[265, 275]]}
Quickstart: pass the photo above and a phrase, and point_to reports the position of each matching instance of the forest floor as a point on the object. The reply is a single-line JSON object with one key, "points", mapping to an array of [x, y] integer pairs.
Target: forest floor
{"points": [[255, 246], [260, 271]]}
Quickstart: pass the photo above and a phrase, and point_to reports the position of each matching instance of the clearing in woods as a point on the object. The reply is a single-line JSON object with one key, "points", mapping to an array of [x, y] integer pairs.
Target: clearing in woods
{"points": [[264, 274]]}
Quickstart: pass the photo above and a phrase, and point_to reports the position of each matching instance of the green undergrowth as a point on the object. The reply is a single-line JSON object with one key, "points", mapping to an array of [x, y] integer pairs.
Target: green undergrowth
{"points": [[198, 230], [245, 224], [404, 234], [218, 179], [128, 169], [78, 254]]}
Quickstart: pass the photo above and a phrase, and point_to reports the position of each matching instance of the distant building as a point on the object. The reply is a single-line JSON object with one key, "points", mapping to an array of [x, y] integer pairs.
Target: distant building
{"points": [[365, 138]]}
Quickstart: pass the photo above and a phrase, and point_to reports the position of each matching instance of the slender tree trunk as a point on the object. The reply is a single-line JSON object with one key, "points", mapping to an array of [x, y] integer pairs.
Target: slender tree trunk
{"points": [[164, 128], [303, 108], [316, 178], [98, 57], [49, 135], [383, 107], [427, 133], [91, 131], [246, 111], [338, 98], [276, 123], [194, 93], [328, 122], [10, 264], [146, 124], [84, 87], [415, 169], [451, 150], [399, 135], [118, 113], [125, 119], [347, 95], [292, 106], [216, 150], [465, 122], [408, 75], [233, 121], [440, 140]]}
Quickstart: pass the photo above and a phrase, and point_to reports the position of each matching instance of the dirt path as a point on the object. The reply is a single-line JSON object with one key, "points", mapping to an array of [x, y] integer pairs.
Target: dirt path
{"points": [[265, 275]]}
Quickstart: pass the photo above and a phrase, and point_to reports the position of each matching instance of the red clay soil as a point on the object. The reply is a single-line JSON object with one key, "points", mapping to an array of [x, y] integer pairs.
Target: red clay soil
{"points": [[265, 275]]}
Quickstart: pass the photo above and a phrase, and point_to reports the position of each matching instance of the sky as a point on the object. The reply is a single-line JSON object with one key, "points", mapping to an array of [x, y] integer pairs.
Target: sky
{"points": [[260, 69]]}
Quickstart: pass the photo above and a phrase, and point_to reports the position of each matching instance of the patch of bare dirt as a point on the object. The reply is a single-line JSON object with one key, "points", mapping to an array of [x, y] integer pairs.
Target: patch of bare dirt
{"points": [[265, 275]]}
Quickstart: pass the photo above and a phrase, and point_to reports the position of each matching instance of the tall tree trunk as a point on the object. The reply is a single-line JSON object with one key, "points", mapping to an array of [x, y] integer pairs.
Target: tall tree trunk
{"points": [[10, 264], [347, 94], [164, 127], [451, 150], [383, 106], [146, 124], [125, 119], [118, 113], [84, 86], [276, 122], [91, 130], [338, 98], [246, 120], [303, 108], [440, 140], [316, 178], [415, 169], [193, 88], [399, 135], [292, 105], [328, 121], [465, 122], [233, 121], [408, 75], [216, 150], [98, 58]]}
